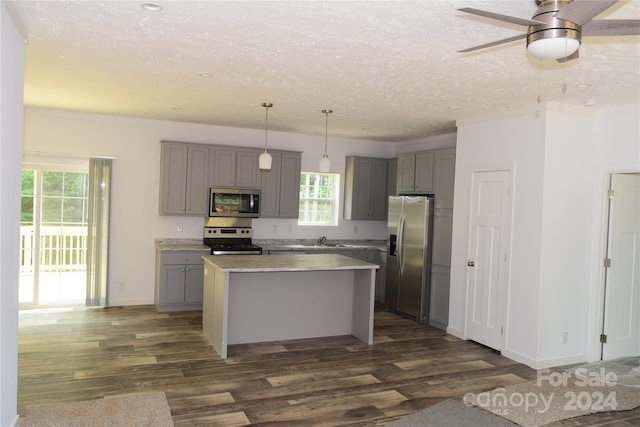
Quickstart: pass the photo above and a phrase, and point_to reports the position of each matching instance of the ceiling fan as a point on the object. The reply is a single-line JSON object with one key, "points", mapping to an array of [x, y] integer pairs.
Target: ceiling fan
{"points": [[556, 28]]}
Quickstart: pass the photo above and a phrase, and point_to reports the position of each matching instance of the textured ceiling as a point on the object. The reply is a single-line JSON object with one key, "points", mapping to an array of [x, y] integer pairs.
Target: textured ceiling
{"points": [[389, 70]]}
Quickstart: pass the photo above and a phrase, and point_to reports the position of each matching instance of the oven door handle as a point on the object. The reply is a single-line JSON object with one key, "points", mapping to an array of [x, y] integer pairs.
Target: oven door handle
{"points": [[232, 252]]}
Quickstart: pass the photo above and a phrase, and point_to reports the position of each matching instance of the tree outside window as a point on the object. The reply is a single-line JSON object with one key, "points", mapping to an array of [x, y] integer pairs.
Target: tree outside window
{"points": [[319, 198]]}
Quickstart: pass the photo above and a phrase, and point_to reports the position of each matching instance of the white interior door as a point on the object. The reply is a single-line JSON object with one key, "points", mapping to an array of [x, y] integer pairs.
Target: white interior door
{"points": [[487, 268], [622, 293]]}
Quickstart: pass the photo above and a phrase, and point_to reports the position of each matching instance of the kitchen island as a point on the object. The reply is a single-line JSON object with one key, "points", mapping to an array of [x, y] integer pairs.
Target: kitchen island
{"points": [[269, 298]]}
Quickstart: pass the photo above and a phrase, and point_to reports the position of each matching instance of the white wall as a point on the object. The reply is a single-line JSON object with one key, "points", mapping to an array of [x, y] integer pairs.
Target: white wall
{"points": [[561, 157], [567, 219], [135, 222], [11, 89], [504, 143]]}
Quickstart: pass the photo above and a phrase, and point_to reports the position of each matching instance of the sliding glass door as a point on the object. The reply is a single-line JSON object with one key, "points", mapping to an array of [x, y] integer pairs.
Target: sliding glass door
{"points": [[53, 237]]}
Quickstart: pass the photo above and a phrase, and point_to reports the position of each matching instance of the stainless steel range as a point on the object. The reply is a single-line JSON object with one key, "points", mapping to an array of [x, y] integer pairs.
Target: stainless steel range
{"points": [[230, 236]]}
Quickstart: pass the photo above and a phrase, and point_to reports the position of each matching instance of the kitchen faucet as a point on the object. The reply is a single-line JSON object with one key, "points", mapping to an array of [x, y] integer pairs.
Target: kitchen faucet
{"points": [[322, 240]]}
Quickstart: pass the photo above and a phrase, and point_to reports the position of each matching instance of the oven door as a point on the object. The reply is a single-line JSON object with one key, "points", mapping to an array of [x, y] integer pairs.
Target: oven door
{"points": [[234, 203]]}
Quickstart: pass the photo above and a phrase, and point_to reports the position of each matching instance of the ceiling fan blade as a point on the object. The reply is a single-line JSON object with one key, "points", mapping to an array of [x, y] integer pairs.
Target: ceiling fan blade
{"points": [[500, 17], [483, 46], [612, 27], [582, 11], [574, 55]]}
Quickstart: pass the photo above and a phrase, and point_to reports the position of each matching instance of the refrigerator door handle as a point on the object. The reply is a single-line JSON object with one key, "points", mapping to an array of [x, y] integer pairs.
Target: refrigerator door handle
{"points": [[400, 244]]}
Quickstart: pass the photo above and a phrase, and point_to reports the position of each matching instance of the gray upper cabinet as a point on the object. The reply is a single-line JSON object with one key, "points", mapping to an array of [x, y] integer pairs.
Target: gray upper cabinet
{"points": [[415, 173], [235, 168], [365, 195], [183, 179], [444, 175], [280, 186], [392, 177]]}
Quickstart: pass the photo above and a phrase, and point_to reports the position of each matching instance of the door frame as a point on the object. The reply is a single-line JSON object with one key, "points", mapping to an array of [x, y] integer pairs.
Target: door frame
{"points": [[606, 223], [509, 167], [41, 163]]}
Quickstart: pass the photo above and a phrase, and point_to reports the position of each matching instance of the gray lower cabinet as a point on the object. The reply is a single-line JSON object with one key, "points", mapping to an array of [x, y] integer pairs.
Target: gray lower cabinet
{"points": [[183, 179], [280, 186], [179, 278], [440, 268], [439, 302]]}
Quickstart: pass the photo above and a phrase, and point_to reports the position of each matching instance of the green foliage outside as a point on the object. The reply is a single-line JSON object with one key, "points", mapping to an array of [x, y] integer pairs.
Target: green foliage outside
{"points": [[317, 199], [64, 197]]}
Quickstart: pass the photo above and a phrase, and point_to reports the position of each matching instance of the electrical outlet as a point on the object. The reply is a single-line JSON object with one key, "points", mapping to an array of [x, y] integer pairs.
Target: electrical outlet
{"points": [[274, 228], [180, 227], [122, 286], [565, 337], [355, 229]]}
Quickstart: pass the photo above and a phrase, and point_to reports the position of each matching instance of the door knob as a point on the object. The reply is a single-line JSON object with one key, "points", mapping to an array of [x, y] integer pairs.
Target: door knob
{"points": [[470, 263]]}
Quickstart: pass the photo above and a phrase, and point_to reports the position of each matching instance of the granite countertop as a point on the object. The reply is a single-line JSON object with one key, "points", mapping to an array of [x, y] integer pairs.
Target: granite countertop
{"points": [[169, 244], [181, 245], [292, 262], [312, 245]]}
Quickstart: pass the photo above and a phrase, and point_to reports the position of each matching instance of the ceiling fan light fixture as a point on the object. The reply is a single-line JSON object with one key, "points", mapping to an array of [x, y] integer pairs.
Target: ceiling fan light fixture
{"points": [[556, 38], [553, 48]]}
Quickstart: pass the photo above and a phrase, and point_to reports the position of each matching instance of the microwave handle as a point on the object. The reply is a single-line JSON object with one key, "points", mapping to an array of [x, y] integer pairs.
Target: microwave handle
{"points": [[251, 203]]}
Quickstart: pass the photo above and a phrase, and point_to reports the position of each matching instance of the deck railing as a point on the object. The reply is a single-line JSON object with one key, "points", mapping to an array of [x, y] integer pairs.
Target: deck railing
{"points": [[62, 249]]}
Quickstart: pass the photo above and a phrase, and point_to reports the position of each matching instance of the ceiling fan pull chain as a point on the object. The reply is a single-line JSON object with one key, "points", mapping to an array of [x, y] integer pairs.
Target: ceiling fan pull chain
{"points": [[540, 82], [564, 74]]}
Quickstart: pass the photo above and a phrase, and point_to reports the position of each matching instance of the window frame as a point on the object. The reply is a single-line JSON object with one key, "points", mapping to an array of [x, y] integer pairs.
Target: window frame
{"points": [[335, 201]]}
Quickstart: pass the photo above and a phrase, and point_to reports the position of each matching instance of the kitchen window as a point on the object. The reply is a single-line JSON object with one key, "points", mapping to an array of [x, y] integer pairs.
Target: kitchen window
{"points": [[319, 198]]}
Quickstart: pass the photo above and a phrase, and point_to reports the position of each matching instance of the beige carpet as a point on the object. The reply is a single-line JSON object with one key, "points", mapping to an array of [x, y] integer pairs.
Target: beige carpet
{"points": [[557, 396], [131, 410], [451, 413]]}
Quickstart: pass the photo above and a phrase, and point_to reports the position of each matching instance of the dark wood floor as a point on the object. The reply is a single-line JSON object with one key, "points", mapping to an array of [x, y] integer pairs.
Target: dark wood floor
{"points": [[72, 355]]}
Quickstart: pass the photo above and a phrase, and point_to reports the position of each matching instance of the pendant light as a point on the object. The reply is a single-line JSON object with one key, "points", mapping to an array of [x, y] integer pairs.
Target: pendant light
{"points": [[325, 164], [264, 161]]}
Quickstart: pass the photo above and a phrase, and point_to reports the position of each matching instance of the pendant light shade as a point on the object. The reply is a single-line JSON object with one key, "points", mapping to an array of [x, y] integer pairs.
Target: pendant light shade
{"points": [[264, 161], [325, 164]]}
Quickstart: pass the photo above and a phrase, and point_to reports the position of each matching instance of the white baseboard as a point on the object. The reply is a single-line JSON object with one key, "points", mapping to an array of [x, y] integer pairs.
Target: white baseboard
{"points": [[544, 363], [456, 332], [123, 302]]}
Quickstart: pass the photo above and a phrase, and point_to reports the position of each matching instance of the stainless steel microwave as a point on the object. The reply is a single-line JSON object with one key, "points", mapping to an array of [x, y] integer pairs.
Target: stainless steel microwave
{"points": [[235, 203]]}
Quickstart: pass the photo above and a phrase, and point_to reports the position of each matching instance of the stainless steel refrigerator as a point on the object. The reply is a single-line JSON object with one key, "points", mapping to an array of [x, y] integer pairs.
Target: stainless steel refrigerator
{"points": [[408, 281]]}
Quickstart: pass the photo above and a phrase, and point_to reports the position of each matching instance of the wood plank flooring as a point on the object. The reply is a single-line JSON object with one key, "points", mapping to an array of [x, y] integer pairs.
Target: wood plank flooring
{"points": [[80, 354]]}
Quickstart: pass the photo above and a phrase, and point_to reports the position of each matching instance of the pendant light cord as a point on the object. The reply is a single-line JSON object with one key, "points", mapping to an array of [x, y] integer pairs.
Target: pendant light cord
{"points": [[266, 105], [326, 129]]}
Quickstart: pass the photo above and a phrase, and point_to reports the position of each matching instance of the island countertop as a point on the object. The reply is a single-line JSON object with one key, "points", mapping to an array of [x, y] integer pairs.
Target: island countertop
{"points": [[292, 262]]}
